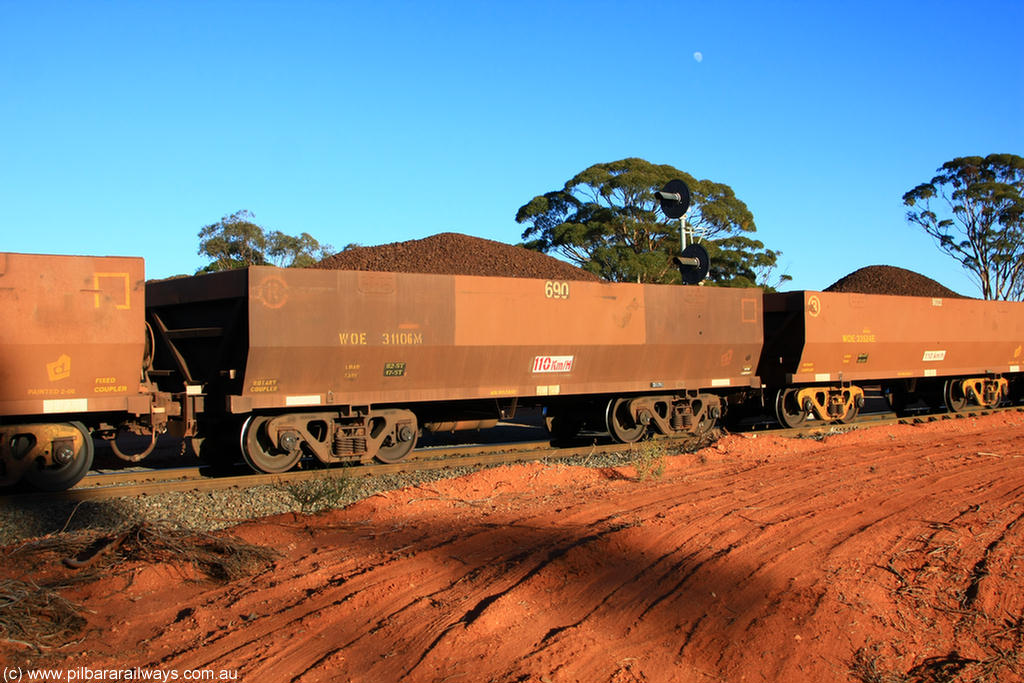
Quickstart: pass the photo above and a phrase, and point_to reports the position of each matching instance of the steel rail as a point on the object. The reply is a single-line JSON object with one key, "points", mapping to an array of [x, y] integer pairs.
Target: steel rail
{"points": [[195, 480], [104, 486]]}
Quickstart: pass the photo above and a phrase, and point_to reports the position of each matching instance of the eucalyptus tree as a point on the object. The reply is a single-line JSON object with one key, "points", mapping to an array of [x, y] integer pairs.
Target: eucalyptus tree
{"points": [[605, 220], [974, 210], [236, 241]]}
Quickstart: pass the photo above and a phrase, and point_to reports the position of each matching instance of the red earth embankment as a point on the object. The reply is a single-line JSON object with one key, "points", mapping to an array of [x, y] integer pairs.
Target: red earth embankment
{"points": [[890, 554]]}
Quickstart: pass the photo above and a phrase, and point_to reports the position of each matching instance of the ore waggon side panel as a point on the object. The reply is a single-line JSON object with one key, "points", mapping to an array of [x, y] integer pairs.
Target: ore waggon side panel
{"points": [[827, 336], [348, 365], [75, 333], [71, 357], [314, 337], [822, 347]]}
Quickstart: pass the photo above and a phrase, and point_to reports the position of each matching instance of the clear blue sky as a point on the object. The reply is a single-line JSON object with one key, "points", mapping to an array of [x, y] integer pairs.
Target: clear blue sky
{"points": [[127, 126]]}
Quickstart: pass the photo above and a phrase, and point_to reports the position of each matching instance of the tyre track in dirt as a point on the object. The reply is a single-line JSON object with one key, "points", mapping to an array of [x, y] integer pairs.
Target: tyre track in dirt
{"points": [[764, 558]]}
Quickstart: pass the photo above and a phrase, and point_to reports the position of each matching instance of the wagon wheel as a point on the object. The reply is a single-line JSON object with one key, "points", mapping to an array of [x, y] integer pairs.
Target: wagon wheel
{"points": [[260, 451], [61, 477], [953, 394], [850, 416], [398, 445], [788, 413], [620, 422]]}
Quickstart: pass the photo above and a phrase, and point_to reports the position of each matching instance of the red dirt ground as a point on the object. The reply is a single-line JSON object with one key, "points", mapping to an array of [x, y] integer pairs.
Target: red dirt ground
{"points": [[885, 555]]}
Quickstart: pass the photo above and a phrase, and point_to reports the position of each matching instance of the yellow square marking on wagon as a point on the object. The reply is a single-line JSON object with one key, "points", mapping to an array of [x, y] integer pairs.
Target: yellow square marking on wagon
{"points": [[720, 382], [96, 277], [59, 369], [822, 377]]}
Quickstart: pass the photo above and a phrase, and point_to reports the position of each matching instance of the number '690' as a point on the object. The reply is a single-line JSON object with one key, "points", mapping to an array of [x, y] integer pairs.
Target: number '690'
{"points": [[556, 290]]}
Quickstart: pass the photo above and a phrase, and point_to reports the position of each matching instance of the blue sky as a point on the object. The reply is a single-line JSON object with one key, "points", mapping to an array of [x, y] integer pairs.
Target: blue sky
{"points": [[127, 126]]}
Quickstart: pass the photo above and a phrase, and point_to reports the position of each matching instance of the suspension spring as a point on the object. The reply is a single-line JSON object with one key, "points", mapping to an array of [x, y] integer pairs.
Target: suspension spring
{"points": [[348, 445]]}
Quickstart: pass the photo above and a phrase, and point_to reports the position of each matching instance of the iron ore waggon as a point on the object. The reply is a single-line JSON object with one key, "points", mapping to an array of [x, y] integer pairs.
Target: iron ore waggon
{"points": [[278, 365], [73, 358], [352, 365], [823, 348]]}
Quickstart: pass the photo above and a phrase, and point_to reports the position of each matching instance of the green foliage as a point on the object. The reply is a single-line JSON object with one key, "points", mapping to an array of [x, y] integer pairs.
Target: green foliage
{"points": [[317, 494], [235, 241], [980, 222], [606, 220], [649, 460], [295, 252]]}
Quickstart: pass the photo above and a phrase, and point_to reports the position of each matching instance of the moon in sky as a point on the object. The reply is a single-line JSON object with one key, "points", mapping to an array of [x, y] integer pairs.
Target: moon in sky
{"points": [[698, 56]]}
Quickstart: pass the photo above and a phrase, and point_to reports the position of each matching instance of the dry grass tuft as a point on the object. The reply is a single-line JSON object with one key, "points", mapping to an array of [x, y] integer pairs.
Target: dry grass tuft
{"points": [[325, 492], [36, 616], [221, 558], [649, 460]]}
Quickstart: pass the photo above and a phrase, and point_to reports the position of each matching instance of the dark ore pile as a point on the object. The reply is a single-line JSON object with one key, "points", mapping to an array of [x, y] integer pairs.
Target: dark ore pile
{"points": [[891, 280], [451, 253]]}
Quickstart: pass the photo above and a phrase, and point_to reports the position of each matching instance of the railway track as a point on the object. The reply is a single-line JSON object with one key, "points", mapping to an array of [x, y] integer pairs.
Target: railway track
{"points": [[144, 482], [138, 482]]}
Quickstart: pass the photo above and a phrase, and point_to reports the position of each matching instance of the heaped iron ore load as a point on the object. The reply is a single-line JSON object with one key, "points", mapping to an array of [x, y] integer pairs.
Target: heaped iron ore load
{"points": [[72, 364], [345, 365], [451, 253], [891, 280]]}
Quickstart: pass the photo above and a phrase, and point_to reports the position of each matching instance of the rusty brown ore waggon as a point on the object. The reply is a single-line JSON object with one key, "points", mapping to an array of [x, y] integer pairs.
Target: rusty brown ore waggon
{"points": [[823, 348], [72, 364], [346, 365]]}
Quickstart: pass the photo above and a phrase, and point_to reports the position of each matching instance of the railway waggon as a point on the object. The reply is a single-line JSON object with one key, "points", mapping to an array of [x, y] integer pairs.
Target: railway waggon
{"points": [[347, 365], [823, 348], [278, 365], [74, 352]]}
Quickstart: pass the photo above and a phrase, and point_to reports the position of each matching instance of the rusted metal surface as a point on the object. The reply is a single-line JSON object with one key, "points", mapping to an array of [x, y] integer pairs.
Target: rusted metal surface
{"points": [[986, 392], [814, 337], [74, 337], [268, 338], [629, 419], [353, 362], [41, 448], [72, 358]]}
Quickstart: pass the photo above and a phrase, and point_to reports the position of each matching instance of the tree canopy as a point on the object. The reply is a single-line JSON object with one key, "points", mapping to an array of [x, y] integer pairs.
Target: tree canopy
{"points": [[978, 220], [236, 241], [606, 220]]}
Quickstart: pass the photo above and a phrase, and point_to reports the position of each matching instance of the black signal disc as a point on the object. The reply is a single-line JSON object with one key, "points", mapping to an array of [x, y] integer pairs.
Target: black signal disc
{"points": [[671, 207], [694, 274]]}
